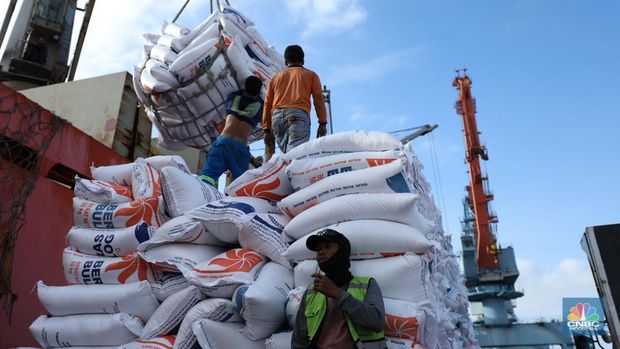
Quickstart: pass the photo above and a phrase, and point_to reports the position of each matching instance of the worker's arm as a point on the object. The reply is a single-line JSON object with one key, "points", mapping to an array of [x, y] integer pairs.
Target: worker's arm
{"points": [[319, 105], [268, 106], [369, 313], [299, 339]]}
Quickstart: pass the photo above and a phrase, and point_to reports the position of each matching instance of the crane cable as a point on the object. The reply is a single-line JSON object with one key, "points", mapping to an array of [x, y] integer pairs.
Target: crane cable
{"points": [[438, 182]]}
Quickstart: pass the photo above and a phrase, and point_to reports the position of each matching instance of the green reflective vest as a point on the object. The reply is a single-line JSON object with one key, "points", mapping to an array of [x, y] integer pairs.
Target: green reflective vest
{"points": [[316, 307]]}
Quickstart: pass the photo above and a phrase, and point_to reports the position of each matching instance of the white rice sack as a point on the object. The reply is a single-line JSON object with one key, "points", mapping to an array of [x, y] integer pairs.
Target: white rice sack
{"points": [[119, 174], [234, 29], [191, 63], [344, 142], [220, 276], [262, 304], [135, 298], [163, 54], [109, 242], [216, 309], [280, 340], [88, 214], [211, 32], [158, 162], [163, 342], [222, 335], [85, 330], [145, 180], [80, 268], [150, 84], [389, 178], [171, 257], [168, 284], [237, 16], [266, 182], [171, 312], [174, 29], [207, 23], [262, 232], [369, 239], [175, 43], [293, 301], [403, 277], [183, 192], [305, 172], [239, 58], [223, 218], [151, 38], [407, 322], [160, 72], [181, 229], [399, 208], [135, 80], [101, 191]]}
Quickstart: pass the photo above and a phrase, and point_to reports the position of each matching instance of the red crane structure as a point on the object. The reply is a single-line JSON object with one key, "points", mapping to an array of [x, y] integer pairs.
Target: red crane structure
{"points": [[478, 195]]}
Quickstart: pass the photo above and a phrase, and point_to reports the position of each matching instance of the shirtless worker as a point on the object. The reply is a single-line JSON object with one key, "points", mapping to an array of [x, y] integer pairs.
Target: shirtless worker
{"points": [[244, 110]]}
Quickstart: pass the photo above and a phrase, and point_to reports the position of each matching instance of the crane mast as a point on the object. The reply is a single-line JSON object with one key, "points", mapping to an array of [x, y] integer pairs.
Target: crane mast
{"points": [[478, 198]]}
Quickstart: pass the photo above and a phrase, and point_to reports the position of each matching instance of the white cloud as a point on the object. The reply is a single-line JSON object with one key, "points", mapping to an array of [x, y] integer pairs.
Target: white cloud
{"points": [[326, 16], [544, 290]]}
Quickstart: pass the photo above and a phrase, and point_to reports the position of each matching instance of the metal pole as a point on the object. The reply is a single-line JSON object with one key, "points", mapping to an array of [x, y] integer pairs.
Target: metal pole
{"points": [[88, 11], [327, 97], [180, 11], [7, 20]]}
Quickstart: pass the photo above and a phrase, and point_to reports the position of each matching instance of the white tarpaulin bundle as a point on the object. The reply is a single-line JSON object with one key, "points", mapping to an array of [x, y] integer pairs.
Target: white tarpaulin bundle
{"points": [[186, 75]]}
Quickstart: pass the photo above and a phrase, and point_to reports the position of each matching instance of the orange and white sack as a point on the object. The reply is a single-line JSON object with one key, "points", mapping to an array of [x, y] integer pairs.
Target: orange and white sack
{"points": [[370, 238], [85, 330], [216, 309], [191, 63], [267, 182], [102, 191], [171, 312], [80, 268], [408, 323], [262, 232], [220, 276], [293, 301], [163, 342], [306, 172], [88, 214], [281, 340], [223, 335], [403, 277], [109, 242], [134, 298], [168, 284], [158, 162], [390, 178], [223, 218], [183, 192], [119, 174], [183, 229], [170, 257], [145, 180], [262, 304], [344, 142], [399, 208]]}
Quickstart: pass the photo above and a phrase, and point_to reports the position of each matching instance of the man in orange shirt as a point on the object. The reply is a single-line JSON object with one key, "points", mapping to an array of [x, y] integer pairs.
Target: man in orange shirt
{"points": [[286, 116]]}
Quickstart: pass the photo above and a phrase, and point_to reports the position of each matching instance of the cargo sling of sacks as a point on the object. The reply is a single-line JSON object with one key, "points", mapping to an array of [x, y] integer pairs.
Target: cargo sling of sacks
{"points": [[199, 128]]}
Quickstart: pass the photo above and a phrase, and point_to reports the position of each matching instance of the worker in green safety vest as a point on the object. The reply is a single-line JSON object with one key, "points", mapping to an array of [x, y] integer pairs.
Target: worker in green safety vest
{"points": [[339, 310]]}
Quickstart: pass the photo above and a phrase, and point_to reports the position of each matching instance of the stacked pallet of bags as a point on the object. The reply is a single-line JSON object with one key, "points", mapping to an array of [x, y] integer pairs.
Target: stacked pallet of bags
{"points": [[109, 296], [369, 187], [186, 75]]}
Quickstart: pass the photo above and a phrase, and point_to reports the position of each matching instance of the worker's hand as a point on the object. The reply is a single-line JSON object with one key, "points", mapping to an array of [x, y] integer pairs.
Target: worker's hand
{"points": [[324, 285], [321, 131], [270, 145]]}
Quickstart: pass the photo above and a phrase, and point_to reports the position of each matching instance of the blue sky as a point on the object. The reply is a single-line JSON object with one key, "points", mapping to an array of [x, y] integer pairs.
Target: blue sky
{"points": [[544, 75]]}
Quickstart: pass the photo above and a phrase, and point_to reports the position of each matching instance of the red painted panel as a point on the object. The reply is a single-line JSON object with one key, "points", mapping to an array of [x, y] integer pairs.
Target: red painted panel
{"points": [[49, 213]]}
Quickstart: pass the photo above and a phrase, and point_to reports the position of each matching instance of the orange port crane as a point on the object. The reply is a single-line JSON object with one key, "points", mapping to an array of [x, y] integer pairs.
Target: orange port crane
{"points": [[478, 198]]}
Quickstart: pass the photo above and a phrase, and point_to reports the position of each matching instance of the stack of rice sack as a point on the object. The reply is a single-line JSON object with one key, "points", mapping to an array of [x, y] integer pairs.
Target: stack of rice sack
{"points": [[186, 75], [109, 297], [369, 187]]}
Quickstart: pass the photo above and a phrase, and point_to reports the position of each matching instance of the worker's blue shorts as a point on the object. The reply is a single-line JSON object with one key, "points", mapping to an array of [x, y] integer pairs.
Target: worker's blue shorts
{"points": [[226, 153]]}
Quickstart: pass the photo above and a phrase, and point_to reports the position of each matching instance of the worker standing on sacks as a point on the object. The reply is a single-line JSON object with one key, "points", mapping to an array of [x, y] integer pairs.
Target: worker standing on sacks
{"points": [[286, 117], [339, 310], [230, 150]]}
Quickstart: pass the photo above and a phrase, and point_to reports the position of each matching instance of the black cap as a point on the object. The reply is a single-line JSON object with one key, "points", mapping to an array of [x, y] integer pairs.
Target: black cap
{"points": [[328, 235]]}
